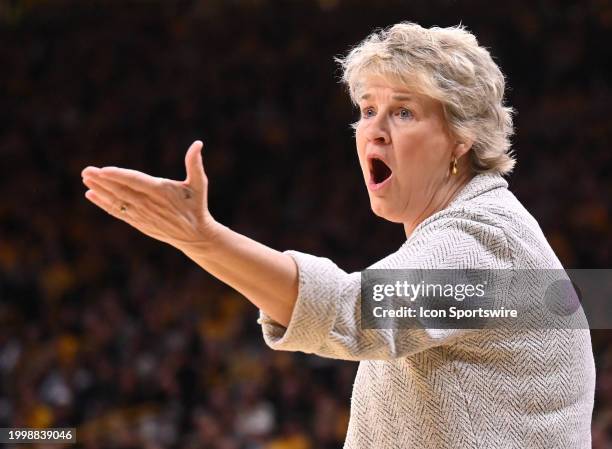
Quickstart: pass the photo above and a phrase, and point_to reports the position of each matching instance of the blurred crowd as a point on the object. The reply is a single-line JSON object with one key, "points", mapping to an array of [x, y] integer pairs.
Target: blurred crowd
{"points": [[126, 339]]}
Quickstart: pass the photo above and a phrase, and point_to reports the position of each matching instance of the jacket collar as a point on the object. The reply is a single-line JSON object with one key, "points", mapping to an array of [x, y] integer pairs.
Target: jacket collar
{"points": [[479, 184]]}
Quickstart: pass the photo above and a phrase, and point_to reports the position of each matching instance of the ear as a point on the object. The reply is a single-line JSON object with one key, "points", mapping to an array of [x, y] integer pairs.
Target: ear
{"points": [[462, 147]]}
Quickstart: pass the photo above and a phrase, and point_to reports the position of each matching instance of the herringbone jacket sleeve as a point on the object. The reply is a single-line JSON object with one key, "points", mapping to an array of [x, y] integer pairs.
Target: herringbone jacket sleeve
{"points": [[326, 316]]}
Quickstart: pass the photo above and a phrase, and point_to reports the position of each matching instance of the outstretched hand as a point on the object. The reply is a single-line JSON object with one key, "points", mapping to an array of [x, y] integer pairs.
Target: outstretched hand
{"points": [[175, 212]]}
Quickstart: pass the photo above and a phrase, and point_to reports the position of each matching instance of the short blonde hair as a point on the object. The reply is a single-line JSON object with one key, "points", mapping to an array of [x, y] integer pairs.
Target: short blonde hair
{"points": [[448, 65]]}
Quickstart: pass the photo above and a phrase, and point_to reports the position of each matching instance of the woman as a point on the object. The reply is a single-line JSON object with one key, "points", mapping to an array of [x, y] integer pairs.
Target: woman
{"points": [[433, 144]]}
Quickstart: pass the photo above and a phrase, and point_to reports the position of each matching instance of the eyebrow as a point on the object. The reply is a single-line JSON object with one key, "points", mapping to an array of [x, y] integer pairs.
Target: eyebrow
{"points": [[397, 97]]}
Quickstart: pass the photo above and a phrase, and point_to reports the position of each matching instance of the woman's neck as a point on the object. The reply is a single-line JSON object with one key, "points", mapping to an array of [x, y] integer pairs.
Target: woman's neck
{"points": [[444, 196]]}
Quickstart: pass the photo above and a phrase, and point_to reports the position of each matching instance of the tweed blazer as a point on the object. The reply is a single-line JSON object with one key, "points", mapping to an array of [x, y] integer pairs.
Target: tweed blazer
{"points": [[451, 389]]}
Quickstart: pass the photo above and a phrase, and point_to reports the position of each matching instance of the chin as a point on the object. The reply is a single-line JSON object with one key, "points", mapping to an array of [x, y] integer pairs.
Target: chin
{"points": [[383, 211]]}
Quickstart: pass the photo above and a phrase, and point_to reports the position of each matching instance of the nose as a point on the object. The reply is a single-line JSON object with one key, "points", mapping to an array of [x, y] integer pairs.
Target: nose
{"points": [[377, 130]]}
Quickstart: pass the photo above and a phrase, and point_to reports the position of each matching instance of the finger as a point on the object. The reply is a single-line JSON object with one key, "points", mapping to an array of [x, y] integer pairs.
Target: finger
{"points": [[112, 203], [112, 207], [141, 211], [114, 195], [119, 191], [107, 197], [196, 177], [133, 179], [89, 170]]}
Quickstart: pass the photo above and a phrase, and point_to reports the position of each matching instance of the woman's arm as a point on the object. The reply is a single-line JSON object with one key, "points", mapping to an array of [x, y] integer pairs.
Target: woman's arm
{"points": [[308, 304], [266, 277], [176, 212]]}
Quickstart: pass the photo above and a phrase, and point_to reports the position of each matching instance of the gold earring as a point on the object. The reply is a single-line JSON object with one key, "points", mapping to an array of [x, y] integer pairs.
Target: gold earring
{"points": [[454, 166]]}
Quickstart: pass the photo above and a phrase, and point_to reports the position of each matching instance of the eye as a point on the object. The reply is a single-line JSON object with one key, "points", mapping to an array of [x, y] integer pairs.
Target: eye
{"points": [[367, 112], [405, 113]]}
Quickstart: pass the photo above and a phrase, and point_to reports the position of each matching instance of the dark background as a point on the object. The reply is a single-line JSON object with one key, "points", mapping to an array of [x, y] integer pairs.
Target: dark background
{"points": [[125, 338]]}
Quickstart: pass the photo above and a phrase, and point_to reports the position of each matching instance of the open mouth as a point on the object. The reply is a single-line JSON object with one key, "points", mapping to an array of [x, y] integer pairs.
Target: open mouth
{"points": [[380, 171]]}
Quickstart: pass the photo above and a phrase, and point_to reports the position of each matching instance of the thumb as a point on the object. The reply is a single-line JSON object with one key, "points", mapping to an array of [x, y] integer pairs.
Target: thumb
{"points": [[194, 165]]}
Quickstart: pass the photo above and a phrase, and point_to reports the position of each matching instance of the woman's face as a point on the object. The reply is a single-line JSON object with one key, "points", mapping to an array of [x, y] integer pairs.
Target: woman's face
{"points": [[404, 148]]}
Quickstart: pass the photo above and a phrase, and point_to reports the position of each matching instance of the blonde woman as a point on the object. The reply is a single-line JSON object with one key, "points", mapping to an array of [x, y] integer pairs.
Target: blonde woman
{"points": [[433, 145]]}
